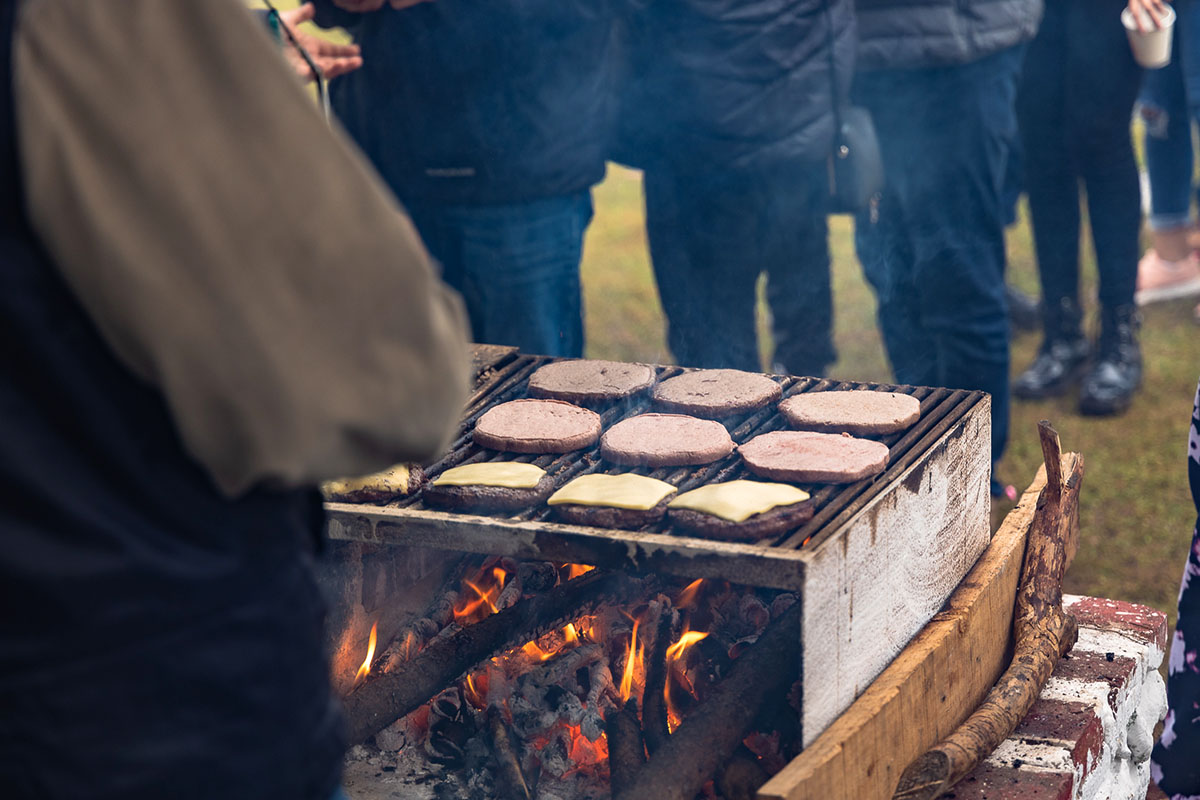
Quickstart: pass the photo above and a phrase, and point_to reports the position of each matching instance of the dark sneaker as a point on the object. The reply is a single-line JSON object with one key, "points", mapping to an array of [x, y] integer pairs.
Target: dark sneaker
{"points": [[1110, 384]]}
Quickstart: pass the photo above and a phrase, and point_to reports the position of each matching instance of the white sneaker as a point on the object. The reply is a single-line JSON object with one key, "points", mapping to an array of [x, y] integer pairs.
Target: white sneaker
{"points": [[1159, 279]]}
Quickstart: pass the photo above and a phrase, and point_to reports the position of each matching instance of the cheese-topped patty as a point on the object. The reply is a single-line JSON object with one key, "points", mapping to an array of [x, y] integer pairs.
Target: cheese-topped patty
{"points": [[635, 492], [737, 501], [508, 474]]}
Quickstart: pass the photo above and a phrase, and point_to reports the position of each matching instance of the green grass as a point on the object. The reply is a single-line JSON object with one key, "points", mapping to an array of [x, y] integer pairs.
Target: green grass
{"points": [[1136, 515]]}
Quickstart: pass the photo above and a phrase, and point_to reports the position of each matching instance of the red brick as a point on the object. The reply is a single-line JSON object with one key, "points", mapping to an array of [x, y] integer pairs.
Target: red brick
{"points": [[1084, 665], [1137, 621], [1071, 722], [988, 782]]}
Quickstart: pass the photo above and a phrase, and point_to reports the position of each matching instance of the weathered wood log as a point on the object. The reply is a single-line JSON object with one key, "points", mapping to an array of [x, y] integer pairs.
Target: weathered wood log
{"points": [[715, 728], [626, 750], [1042, 630], [384, 698], [509, 778], [654, 701]]}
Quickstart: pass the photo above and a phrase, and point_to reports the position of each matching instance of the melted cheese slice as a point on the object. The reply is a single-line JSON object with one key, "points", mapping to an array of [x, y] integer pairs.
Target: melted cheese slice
{"points": [[507, 474], [393, 480], [737, 501], [635, 492]]}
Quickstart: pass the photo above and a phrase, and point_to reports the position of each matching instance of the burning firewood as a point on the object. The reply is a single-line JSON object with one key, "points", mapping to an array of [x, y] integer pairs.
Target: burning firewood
{"points": [[510, 779], [654, 701], [626, 751], [741, 776], [383, 698], [714, 730]]}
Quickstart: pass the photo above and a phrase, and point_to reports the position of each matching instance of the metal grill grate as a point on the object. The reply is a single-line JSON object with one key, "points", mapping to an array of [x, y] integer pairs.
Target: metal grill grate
{"points": [[533, 534]]}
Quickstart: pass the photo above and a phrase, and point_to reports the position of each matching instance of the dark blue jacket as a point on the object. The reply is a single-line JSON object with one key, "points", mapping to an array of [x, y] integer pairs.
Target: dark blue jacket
{"points": [[917, 34], [481, 101], [740, 83], [156, 639]]}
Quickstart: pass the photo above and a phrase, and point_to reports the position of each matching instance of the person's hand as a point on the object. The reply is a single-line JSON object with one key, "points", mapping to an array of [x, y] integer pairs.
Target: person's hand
{"points": [[1153, 10], [367, 6], [332, 59]]}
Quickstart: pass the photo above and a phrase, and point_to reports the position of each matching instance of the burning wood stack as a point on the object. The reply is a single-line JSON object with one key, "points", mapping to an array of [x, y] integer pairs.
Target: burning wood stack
{"points": [[560, 682]]}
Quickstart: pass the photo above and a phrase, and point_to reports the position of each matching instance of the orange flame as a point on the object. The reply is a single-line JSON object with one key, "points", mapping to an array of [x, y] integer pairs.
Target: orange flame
{"points": [[688, 596], [365, 669], [633, 655], [532, 650], [677, 675], [575, 570], [689, 638], [476, 695], [486, 588], [569, 632]]}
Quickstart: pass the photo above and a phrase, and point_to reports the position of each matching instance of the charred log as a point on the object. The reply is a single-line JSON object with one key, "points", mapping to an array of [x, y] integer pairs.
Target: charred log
{"points": [[383, 698], [712, 733], [509, 778], [626, 751], [741, 776], [654, 701]]}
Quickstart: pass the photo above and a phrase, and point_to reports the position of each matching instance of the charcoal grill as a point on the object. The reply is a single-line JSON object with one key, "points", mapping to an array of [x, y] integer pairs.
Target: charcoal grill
{"points": [[873, 565]]}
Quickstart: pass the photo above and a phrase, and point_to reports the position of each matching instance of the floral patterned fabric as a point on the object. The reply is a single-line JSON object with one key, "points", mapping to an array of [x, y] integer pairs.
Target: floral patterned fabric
{"points": [[1176, 760]]}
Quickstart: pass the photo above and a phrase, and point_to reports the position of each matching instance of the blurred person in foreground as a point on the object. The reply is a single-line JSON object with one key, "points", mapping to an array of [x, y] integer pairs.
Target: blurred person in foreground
{"points": [[939, 77], [331, 58], [209, 305], [1175, 761], [490, 121], [728, 109], [1075, 101]]}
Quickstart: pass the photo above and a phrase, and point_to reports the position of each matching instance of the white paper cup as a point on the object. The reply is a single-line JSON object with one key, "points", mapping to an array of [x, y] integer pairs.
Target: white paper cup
{"points": [[1151, 49]]}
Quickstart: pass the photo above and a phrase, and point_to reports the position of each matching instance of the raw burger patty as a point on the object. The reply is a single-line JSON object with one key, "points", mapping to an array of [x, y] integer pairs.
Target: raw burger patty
{"points": [[759, 526], [665, 440], [537, 426], [716, 393], [590, 382], [488, 498], [856, 412], [808, 457]]}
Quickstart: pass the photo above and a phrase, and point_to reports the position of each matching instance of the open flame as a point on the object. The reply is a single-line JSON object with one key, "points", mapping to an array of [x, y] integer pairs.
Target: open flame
{"points": [[677, 674], [633, 655], [575, 570], [687, 597], [479, 596], [365, 669]]}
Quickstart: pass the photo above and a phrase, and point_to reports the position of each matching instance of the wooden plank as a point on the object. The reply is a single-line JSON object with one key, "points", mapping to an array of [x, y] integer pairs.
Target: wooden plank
{"points": [[875, 581], [931, 687], [756, 565]]}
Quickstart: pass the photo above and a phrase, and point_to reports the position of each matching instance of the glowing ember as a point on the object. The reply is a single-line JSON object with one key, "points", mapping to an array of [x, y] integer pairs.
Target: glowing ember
{"points": [[365, 669], [532, 650]]}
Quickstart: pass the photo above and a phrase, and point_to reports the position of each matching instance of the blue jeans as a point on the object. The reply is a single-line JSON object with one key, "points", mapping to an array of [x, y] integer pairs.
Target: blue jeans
{"points": [[935, 254], [517, 267], [1169, 101], [712, 234]]}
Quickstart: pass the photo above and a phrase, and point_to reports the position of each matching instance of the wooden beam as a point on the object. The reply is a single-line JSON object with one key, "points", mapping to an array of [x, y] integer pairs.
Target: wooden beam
{"points": [[757, 565], [931, 687]]}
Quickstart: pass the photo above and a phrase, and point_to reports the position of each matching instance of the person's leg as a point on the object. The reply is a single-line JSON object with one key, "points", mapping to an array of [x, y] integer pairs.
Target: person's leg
{"points": [[935, 255], [1174, 764], [1052, 186], [702, 232], [517, 267], [797, 265], [1102, 84]]}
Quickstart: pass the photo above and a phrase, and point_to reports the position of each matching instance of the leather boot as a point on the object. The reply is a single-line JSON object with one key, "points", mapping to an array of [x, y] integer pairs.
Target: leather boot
{"points": [[1109, 385], [1061, 357]]}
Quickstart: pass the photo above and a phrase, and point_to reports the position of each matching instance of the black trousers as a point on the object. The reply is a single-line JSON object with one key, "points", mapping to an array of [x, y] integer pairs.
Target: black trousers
{"points": [[712, 234], [1074, 106]]}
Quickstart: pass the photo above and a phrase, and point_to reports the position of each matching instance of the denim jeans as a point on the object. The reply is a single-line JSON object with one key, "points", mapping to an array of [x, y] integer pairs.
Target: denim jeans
{"points": [[517, 267], [935, 254], [712, 234], [1169, 101], [1076, 97]]}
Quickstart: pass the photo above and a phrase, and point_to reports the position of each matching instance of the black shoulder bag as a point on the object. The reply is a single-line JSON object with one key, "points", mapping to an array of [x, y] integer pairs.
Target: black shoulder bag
{"points": [[856, 164]]}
